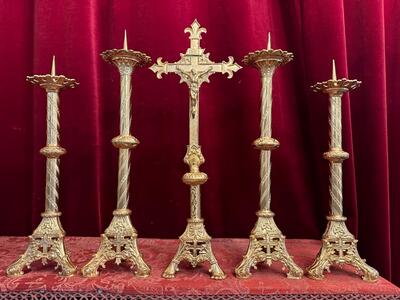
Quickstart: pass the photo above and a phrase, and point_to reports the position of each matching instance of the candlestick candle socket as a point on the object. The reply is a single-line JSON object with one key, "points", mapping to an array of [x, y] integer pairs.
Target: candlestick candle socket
{"points": [[118, 242], [47, 241], [338, 245], [266, 243], [194, 68]]}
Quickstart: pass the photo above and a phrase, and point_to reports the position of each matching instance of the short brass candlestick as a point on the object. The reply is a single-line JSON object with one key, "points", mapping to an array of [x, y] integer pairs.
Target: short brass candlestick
{"points": [[47, 241], [338, 245], [267, 243], [194, 68], [118, 242]]}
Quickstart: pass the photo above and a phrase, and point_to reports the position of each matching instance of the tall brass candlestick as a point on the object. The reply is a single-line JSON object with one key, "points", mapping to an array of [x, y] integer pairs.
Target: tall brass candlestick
{"points": [[338, 245], [267, 243], [47, 241], [119, 240], [194, 68]]}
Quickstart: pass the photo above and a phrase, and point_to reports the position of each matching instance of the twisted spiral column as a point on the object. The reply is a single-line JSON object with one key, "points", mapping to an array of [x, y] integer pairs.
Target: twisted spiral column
{"points": [[335, 189], [52, 164], [125, 124], [266, 131]]}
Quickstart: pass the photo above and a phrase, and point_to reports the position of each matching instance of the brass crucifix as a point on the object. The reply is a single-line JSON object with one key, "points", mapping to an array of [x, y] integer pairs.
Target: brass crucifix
{"points": [[194, 68]]}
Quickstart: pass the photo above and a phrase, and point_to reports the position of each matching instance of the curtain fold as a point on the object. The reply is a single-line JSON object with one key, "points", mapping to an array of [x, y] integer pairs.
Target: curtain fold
{"points": [[362, 36]]}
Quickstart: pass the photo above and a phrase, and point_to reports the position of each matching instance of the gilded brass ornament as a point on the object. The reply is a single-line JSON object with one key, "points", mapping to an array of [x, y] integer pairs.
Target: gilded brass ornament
{"points": [[47, 241], [118, 242], [194, 68], [267, 243], [338, 245]]}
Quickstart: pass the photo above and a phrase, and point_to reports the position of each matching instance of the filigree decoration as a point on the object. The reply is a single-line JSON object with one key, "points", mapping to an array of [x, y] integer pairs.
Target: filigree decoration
{"points": [[267, 244], [118, 243], [45, 244], [339, 247], [194, 247]]}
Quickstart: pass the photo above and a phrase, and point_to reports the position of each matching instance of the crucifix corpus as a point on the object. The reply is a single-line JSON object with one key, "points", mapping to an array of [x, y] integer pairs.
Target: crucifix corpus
{"points": [[194, 68]]}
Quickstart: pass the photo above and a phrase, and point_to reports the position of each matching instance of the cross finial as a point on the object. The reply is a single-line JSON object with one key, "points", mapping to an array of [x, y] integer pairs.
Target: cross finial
{"points": [[53, 66], [125, 41], [333, 70], [269, 41]]}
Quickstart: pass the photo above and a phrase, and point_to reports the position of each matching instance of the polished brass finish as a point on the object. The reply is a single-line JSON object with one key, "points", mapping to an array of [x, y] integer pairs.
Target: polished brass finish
{"points": [[118, 242], [338, 245], [47, 241], [267, 243], [194, 68]]}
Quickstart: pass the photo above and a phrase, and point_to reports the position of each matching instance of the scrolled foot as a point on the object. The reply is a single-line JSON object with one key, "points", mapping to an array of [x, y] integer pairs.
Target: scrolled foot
{"points": [[368, 272], [315, 273], [242, 271], [16, 269], [216, 272], [89, 271], [371, 276], [295, 272], [170, 270], [67, 270], [142, 270]]}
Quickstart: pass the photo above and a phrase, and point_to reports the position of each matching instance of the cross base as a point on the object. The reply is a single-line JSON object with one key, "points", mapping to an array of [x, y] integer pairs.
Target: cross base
{"points": [[194, 247], [267, 244], [46, 244], [339, 247], [118, 242]]}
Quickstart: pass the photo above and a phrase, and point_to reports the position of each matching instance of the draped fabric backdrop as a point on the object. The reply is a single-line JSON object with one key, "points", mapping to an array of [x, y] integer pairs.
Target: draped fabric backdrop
{"points": [[363, 37]]}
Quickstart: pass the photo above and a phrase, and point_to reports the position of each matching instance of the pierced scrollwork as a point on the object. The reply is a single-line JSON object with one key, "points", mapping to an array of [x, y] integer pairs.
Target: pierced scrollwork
{"points": [[339, 247], [118, 243], [46, 244], [195, 247], [266, 245]]}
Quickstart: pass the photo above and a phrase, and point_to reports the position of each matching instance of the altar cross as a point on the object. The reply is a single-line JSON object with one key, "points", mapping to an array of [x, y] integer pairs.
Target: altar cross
{"points": [[194, 68]]}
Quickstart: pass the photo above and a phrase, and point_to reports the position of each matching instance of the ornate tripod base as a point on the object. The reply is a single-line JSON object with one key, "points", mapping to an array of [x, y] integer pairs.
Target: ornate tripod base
{"points": [[267, 244], [118, 243], [339, 247], [194, 247], [46, 244]]}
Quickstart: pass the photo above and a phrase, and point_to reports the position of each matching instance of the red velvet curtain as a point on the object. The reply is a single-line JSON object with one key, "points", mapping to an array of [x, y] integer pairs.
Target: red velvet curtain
{"points": [[363, 37]]}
